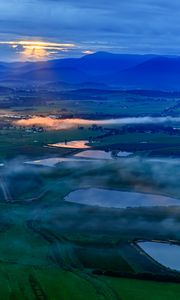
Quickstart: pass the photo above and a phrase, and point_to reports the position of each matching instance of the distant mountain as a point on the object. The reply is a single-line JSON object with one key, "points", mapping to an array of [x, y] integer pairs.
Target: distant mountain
{"points": [[51, 74], [124, 71], [156, 73], [107, 63]]}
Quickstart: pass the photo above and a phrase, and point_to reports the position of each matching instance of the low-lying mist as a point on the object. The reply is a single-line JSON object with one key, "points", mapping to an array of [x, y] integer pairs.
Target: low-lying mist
{"points": [[61, 124], [52, 216]]}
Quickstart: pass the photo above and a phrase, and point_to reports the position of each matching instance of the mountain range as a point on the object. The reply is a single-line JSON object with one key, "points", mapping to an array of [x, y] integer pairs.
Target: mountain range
{"points": [[98, 70]]}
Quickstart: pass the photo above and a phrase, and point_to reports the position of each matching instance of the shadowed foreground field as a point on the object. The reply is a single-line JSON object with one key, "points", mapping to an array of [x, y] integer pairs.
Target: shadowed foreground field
{"points": [[52, 249], [40, 283]]}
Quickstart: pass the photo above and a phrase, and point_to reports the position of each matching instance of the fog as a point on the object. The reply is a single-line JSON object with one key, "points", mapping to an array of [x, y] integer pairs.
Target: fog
{"points": [[61, 124], [73, 221]]}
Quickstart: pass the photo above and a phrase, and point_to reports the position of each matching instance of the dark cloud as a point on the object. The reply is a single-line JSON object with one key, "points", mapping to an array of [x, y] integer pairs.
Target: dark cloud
{"points": [[119, 26]]}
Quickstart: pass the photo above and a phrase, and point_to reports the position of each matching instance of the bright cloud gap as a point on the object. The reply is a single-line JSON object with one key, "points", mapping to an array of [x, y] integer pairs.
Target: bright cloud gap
{"points": [[38, 50]]}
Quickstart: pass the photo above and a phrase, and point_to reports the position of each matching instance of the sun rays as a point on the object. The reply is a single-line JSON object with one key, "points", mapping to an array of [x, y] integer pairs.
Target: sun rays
{"points": [[38, 50]]}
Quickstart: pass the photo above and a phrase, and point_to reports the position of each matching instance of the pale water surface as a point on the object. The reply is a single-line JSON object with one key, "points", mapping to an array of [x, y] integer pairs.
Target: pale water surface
{"points": [[166, 254], [124, 154], [52, 162], [94, 154], [72, 144], [118, 199]]}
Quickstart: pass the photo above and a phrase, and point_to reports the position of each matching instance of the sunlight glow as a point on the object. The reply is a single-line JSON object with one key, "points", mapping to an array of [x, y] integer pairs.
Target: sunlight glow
{"points": [[37, 43], [87, 52], [37, 50], [51, 123], [34, 53]]}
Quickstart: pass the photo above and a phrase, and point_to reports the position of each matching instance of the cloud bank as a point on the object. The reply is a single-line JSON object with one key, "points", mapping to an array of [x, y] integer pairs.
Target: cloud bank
{"points": [[142, 26]]}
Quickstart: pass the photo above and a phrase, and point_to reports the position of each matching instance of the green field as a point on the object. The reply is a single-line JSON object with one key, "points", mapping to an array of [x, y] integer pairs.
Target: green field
{"points": [[39, 283], [52, 249], [129, 105]]}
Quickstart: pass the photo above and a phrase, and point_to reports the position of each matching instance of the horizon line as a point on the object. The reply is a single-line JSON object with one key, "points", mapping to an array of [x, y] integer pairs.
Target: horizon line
{"points": [[87, 55]]}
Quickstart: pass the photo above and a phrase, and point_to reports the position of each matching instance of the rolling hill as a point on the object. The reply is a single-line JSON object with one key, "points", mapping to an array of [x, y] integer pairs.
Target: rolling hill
{"points": [[125, 71]]}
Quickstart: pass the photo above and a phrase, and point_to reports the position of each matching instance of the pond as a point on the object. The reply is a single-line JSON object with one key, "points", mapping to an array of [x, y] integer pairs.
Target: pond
{"points": [[124, 154], [72, 144], [52, 162], [94, 154], [166, 254], [118, 199]]}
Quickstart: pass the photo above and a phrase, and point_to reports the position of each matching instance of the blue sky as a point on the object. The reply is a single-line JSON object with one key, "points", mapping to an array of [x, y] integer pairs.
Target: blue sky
{"points": [[121, 26]]}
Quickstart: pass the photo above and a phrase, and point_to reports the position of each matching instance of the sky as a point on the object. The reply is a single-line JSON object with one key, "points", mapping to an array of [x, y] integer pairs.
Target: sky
{"points": [[48, 29]]}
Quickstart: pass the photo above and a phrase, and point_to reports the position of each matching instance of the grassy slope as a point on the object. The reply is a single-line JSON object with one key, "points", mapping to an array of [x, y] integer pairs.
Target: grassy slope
{"points": [[25, 282], [141, 290]]}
